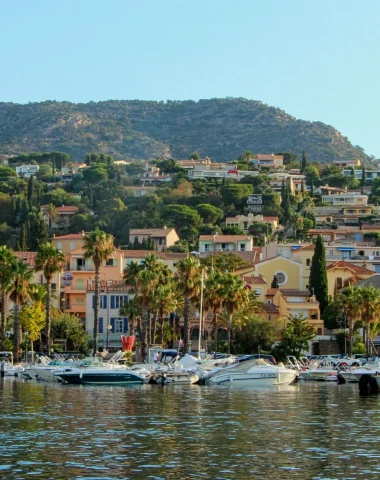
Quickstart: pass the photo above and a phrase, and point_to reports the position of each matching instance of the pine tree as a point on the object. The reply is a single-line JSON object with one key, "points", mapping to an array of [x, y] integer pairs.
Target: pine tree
{"points": [[318, 274], [274, 283], [303, 162]]}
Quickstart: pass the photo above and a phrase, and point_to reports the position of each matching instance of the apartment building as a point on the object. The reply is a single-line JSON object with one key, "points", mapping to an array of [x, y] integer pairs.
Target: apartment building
{"points": [[245, 221], [268, 161], [27, 171], [225, 243], [162, 237]]}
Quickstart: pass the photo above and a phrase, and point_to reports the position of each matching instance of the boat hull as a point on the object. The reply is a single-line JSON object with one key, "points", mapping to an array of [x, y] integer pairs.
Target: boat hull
{"points": [[249, 379], [86, 378]]}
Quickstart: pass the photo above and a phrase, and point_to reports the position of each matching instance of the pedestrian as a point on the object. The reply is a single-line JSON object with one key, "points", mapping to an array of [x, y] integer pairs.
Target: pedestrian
{"points": [[157, 357]]}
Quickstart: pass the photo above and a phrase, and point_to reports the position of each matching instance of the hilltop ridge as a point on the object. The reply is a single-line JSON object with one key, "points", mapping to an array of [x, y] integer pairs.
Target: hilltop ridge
{"points": [[135, 129]]}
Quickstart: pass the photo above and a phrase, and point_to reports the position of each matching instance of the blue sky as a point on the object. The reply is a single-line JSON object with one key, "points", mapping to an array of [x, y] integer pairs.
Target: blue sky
{"points": [[316, 59]]}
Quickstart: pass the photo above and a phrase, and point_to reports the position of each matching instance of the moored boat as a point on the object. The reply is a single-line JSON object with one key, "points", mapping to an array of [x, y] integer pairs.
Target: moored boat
{"points": [[252, 372], [99, 376]]}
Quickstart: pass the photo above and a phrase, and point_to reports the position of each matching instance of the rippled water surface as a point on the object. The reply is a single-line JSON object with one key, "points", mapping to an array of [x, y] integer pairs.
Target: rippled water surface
{"points": [[308, 431]]}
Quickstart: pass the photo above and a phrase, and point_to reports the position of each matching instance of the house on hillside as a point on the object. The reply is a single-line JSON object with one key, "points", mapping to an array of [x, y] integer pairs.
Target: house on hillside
{"points": [[163, 238], [61, 216], [225, 243]]}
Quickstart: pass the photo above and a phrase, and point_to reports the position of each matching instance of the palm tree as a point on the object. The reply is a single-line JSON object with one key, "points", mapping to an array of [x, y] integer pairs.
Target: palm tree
{"points": [[132, 310], [7, 262], [370, 309], [189, 276], [50, 260], [213, 300], [19, 294], [98, 246], [51, 212], [349, 300], [234, 295]]}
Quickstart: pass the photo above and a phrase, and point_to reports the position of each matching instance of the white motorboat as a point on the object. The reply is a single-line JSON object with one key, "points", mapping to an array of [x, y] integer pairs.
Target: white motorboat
{"points": [[354, 374], [8, 367], [111, 375], [252, 372]]}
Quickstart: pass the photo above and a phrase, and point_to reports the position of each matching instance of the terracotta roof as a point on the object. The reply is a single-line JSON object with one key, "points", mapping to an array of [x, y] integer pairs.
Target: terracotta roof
{"points": [[269, 308], [67, 208], [159, 254], [295, 292], [271, 218], [70, 236], [306, 247], [225, 238], [254, 280], [153, 232], [27, 257], [350, 266]]}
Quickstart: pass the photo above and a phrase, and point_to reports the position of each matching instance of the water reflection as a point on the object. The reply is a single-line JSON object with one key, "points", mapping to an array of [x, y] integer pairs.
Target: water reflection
{"points": [[308, 431]]}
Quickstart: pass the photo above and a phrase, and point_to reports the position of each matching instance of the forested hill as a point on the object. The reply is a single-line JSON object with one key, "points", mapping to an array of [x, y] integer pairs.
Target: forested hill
{"points": [[134, 129]]}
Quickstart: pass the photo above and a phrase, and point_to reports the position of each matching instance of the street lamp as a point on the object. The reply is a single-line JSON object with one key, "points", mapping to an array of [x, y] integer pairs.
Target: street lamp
{"points": [[109, 328]]}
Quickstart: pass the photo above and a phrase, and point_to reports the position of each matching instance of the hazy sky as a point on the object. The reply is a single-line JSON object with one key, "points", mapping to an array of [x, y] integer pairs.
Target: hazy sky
{"points": [[316, 59]]}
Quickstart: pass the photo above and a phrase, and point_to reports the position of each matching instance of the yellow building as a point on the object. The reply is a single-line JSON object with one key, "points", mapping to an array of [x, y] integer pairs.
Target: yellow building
{"points": [[296, 302], [341, 274], [65, 243], [288, 272]]}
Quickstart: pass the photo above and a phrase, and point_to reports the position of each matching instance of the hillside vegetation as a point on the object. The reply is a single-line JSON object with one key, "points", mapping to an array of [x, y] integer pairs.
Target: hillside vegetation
{"points": [[134, 129]]}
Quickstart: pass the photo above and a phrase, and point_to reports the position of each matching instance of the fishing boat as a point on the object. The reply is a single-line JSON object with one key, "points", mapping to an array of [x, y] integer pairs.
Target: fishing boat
{"points": [[252, 372]]}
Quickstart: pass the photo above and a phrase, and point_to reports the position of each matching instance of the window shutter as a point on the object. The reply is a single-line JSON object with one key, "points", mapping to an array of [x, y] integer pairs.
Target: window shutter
{"points": [[112, 323], [125, 325], [105, 301], [101, 325], [114, 262], [125, 299], [112, 301]]}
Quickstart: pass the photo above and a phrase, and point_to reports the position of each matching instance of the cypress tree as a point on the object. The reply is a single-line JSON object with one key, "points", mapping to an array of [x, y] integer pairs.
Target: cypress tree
{"points": [[274, 283], [303, 162], [318, 275], [363, 180], [22, 245], [312, 187], [302, 187]]}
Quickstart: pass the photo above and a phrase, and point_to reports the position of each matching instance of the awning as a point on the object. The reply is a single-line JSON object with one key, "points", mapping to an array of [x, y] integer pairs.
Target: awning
{"points": [[346, 249], [296, 247]]}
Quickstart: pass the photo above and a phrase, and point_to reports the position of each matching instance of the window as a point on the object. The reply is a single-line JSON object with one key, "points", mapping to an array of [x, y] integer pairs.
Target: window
{"points": [[79, 301], [160, 241], [269, 302], [308, 261], [319, 331], [245, 225], [79, 284], [72, 245], [258, 291], [59, 246], [119, 323], [331, 252], [110, 262], [242, 247], [102, 301], [281, 278], [339, 283], [117, 301], [307, 287]]}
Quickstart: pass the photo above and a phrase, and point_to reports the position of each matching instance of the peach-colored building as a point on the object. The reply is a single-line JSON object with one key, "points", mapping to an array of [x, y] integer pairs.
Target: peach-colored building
{"points": [[66, 243], [81, 274]]}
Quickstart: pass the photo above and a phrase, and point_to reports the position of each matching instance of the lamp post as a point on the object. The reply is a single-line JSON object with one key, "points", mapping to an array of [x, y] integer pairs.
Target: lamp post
{"points": [[109, 328]]}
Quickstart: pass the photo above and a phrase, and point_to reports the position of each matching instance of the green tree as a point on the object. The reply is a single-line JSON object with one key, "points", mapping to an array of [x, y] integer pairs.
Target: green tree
{"points": [[22, 279], [98, 246], [318, 275], [185, 219], [256, 335], [38, 232], [195, 156], [51, 261], [363, 179], [295, 338], [189, 278], [234, 296], [209, 213], [7, 268], [33, 320], [274, 283], [303, 162], [232, 194]]}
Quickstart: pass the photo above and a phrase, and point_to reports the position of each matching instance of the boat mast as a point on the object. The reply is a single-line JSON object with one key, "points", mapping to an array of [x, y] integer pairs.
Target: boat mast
{"points": [[201, 315]]}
